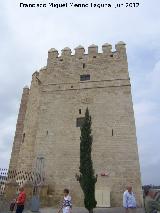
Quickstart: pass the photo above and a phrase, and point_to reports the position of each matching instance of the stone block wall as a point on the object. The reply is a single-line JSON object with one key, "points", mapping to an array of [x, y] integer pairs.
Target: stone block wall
{"points": [[59, 94]]}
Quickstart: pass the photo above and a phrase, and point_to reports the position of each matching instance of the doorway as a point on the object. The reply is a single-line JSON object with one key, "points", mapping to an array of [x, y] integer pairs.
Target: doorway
{"points": [[103, 198]]}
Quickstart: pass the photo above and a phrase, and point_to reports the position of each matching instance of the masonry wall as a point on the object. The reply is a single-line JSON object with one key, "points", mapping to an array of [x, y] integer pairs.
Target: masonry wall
{"points": [[19, 130], [27, 152], [58, 97]]}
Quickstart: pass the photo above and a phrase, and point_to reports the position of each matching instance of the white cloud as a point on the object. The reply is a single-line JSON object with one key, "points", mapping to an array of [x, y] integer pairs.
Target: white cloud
{"points": [[6, 139], [146, 113], [154, 78], [147, 105]]}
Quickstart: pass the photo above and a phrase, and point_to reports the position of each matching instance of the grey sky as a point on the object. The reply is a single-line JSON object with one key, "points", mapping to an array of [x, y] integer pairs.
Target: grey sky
{"points": [[26, 34]]}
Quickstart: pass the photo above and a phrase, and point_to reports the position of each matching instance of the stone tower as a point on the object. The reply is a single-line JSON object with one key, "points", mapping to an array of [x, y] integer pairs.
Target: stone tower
{"points": [[19, 135], [48, 131]]}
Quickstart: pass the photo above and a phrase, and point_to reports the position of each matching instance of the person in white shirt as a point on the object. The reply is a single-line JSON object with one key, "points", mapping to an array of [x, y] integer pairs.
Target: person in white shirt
{"points": [[129, 201], [67, 202]]}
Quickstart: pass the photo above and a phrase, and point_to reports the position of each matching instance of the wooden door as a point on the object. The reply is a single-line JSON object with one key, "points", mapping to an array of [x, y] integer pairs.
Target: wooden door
{"points": [[103, 198]]}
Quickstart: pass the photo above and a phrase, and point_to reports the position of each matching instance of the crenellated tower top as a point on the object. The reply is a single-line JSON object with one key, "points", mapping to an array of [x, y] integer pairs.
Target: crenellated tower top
{"points": [[93, 52]]}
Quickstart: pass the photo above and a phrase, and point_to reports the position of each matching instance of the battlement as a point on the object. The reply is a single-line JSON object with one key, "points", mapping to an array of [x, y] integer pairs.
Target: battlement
{"points": [[120, 53]]}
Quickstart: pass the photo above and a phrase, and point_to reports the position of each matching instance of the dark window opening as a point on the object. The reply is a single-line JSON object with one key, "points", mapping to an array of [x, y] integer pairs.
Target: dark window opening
{"points": [[112, 132], [47, 132], [84, 66], [85, 77], [23, 137], [94, 56], [111, 55], [61, 59], [80, 111], [79, 122], [72, 86]]}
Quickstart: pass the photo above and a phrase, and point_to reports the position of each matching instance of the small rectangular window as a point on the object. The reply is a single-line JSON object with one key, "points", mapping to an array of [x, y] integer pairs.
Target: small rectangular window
{"points": [[79, 122], [85, 77]]}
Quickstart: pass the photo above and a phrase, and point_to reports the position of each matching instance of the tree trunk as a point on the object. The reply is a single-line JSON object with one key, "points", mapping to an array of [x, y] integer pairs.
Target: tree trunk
{"points": [[91, 211]]}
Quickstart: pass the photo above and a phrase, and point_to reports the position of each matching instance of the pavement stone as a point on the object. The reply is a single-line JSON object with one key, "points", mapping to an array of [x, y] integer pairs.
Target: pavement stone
{"points": [[83, 210]]}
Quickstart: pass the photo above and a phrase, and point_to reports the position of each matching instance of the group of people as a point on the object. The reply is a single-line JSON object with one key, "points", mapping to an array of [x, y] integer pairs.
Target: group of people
{"points": [[21, 199], [151, 204]]}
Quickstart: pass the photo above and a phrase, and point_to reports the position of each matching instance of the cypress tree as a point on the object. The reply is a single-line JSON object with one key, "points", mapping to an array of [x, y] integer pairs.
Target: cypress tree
{"points": [[87, 179]]}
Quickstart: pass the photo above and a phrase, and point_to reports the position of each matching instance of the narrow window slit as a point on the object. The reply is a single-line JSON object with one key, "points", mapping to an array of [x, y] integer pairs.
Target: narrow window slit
{"points": [[23, 137]]}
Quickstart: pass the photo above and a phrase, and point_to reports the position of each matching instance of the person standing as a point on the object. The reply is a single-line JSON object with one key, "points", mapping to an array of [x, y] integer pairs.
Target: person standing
{"points": [[151, 205], [129, 201], [20, 200], [67, 202]]}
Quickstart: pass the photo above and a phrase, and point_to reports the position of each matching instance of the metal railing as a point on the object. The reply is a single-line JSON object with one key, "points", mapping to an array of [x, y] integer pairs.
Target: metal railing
{"points": [[20, 177]]}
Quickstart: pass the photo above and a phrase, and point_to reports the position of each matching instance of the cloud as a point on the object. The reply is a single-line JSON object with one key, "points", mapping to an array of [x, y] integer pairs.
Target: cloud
{"points": [[145, 113], [147, 105], [6, 138], [154, 78]]}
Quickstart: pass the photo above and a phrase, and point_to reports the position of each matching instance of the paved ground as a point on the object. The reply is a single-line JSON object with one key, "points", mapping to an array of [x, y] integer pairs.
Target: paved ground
{"points": [[83, 210], [79, 210]]}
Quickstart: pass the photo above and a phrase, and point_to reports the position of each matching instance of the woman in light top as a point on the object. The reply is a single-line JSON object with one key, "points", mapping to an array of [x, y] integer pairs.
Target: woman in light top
{"points": [[67, 202]]}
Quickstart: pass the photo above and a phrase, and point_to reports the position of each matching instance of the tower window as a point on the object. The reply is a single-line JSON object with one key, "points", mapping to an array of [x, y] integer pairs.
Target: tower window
{"points": [[23, 137], [79, 122], [80, 111], [112, 132], [84, 65], [85, 77]]}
